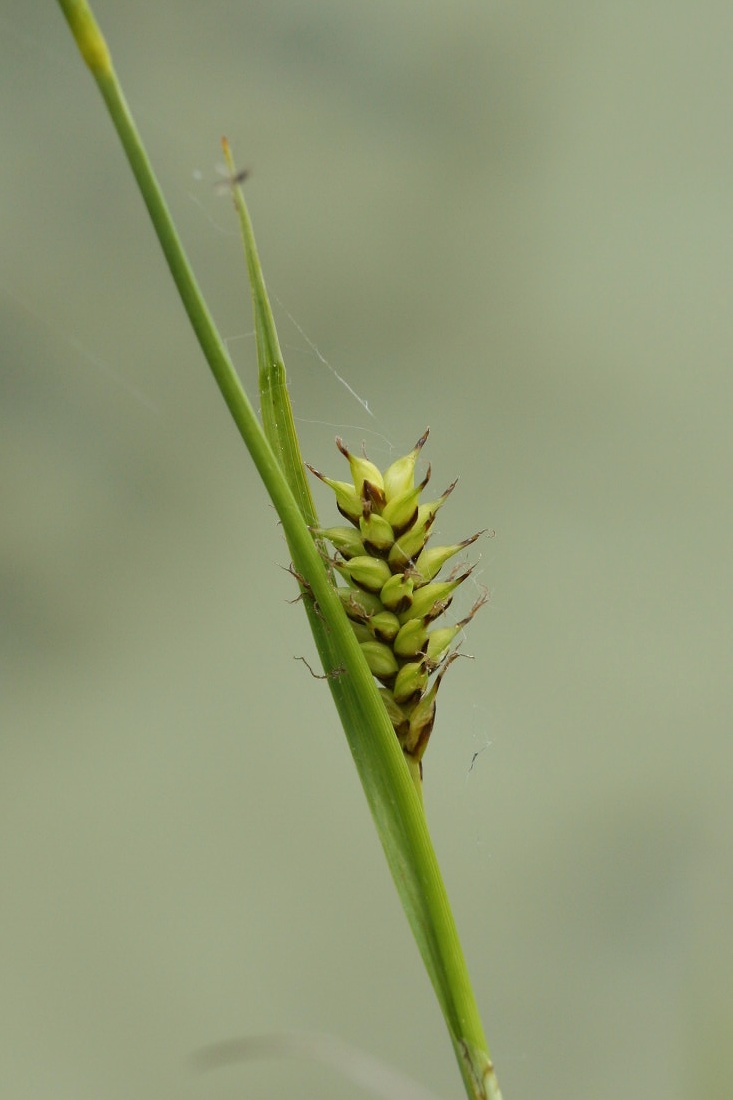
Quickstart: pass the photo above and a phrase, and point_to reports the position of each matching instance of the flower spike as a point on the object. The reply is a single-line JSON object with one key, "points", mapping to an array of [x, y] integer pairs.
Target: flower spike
{"points": [[393, 593]]}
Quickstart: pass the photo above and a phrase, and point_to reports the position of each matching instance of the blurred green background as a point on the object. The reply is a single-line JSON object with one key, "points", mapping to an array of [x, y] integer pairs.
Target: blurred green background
{"points": [[514, 224]]}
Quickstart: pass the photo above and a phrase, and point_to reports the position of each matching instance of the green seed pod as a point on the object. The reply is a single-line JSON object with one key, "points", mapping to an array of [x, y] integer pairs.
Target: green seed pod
{"points": [[401, 511], [344, 539], [381, 660], [441, 638], [396, 594], [362, 632], [409, 544], [376, 532], [358, 604], [410, 682], [438, 642], [422, 717], [369, 573], [385, 626], [348, 500], [398, 478], [361, 469], [432, 559], [432, 599], [411, 640]]}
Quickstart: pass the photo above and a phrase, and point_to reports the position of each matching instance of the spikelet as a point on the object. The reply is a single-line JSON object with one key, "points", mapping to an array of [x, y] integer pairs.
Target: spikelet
{"points": [[392, 595]]}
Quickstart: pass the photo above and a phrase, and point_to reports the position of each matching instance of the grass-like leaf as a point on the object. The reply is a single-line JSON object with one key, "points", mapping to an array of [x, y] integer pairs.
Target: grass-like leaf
{"points": [[391, 794]]}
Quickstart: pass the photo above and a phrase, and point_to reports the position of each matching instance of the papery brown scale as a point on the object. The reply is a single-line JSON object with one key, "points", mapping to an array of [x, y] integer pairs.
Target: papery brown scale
{"points": [[397, 716], [372, 495]]}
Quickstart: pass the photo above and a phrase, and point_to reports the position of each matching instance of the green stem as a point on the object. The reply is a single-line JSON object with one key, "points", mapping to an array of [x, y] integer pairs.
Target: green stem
{"points": [[392, 798], [277, 413]]}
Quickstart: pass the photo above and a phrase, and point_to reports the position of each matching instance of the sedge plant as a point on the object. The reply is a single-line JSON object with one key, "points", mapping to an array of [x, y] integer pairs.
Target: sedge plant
{"points": [[371, 606]]}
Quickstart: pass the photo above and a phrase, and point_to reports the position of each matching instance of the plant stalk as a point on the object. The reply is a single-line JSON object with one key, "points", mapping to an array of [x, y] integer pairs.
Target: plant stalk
{"points": [[391, 795]]}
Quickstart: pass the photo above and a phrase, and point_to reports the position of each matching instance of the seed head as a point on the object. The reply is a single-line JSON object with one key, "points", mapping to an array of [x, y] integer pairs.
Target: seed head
{"points": [[392, 592]]}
